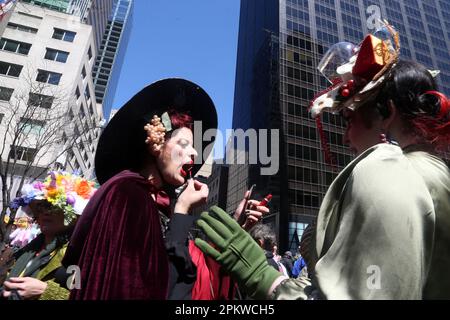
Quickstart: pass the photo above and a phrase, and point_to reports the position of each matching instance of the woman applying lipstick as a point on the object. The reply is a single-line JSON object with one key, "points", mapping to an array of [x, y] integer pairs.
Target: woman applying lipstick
{"points": [[128, 243]]}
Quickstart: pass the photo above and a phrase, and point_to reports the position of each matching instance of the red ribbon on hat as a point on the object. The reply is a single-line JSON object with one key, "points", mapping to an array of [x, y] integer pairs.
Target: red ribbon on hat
{"points": [[444, 110]]}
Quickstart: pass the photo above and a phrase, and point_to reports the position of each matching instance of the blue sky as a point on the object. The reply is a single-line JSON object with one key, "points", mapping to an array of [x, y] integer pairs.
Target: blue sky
{"points": [[192, 39]]}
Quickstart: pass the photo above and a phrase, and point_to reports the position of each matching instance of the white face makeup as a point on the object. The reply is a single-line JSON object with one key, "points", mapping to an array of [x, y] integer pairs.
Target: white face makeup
{"points": [[176, 157]]}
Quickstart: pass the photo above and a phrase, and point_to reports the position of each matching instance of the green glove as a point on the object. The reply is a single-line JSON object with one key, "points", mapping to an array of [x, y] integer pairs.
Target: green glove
{"points": [[239, 254]]}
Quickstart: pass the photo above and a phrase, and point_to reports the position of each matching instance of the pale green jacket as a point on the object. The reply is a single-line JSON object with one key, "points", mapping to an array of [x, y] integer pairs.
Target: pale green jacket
{"points": [[53, 291], [383, 231]]}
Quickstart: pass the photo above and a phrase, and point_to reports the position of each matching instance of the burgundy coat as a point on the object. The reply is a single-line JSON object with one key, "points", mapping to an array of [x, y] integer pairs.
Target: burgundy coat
{"points": [[118, 243]]}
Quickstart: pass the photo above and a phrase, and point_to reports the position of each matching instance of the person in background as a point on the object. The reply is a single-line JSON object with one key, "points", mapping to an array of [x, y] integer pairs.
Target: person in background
{"points": [[55, 204], [266, 238], [299, 265], [288, 262]]}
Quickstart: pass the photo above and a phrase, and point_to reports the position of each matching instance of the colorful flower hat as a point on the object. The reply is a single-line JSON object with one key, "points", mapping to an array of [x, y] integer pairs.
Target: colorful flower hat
{"points": [[356, 72], [63, 190]]}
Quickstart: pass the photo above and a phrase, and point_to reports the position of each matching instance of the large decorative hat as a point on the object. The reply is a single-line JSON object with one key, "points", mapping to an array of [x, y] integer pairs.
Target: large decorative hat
{"points": [[356, 72], [122, 143], [62, 190]]}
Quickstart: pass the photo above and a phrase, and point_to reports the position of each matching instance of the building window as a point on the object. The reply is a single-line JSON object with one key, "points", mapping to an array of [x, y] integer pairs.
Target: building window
{"points": [[14, 46], [87, 93], [91, 109], [29, 125], [22, 153], [56, 55], [86, 126], [48, 77], [76, 165], [5, 93], [64, 35], [77, 93], [81, 112], [21, 27], [64, 138], [83, 73], [2, 115], [90, 53], [76, 132], [296, 230], [10, 69], [29, 15], [40, 100], [70, 155]]}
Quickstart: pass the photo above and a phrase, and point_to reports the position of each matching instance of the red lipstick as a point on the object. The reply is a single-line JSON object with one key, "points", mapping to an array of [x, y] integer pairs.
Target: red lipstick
{"points": [[186, 169], [265, 201]]}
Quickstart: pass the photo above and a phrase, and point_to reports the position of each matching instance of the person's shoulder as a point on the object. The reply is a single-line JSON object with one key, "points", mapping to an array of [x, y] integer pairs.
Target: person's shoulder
{"points": [[428, 164], [434, 172], [381, 154], [125, 180], [380, 159], [384, 167], [386, 175], [126, 184]]}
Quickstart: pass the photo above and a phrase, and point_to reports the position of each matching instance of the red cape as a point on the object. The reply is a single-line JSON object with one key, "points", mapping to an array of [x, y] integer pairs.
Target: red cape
{"points": [[118, 243]]}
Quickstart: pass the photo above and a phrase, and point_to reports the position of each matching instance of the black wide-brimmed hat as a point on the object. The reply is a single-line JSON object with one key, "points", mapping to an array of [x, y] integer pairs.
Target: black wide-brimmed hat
{"points": [[122, 143]]}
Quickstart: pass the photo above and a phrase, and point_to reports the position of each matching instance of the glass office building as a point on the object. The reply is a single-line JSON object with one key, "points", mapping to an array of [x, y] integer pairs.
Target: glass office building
{"points": [[57, 5], [94, 13], [111, 53], [280, 45]]}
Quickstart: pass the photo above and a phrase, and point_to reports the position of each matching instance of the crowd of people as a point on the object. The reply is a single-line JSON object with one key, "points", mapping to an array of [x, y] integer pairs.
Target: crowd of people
{"points": [[130, 237]]}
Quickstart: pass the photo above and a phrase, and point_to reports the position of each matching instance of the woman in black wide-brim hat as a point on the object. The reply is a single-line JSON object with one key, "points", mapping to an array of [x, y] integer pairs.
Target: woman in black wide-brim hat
{"points": [[143, 155]]}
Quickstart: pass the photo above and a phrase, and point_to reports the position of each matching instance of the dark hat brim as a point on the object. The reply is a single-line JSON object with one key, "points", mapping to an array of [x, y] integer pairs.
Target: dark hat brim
{"points": [[122, 143]]}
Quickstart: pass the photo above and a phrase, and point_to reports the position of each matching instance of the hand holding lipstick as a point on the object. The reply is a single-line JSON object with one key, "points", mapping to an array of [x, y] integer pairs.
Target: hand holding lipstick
{"points": [[254, 212], [195, 194]]}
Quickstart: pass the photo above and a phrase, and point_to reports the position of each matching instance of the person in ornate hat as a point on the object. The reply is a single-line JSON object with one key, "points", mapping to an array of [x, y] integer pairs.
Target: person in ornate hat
{"points": [[382, 228], [55, 204]]}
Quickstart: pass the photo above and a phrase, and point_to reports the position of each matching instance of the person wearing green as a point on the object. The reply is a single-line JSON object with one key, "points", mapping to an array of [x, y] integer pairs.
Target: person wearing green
{"points": [[382, 228]]}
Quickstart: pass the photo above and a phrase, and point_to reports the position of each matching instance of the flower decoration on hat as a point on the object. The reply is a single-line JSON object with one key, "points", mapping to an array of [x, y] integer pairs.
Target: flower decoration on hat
{"points": [[156, 131], [356, 72], [25, 231], [62, 190]]}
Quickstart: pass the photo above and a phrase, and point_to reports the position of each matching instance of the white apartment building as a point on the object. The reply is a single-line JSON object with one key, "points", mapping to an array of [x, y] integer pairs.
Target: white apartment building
{"points": [[46, 61]]}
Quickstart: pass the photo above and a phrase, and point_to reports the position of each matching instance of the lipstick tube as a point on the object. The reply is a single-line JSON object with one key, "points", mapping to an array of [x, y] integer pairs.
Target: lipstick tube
{"points": [[265, 201]]}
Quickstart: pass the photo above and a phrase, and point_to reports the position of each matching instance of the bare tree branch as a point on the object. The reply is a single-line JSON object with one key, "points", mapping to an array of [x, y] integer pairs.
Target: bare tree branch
{"points": [[36, 136]]}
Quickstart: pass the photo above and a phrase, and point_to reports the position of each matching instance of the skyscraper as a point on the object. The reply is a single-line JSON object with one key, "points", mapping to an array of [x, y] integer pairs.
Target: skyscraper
{"points": [[79, 8], [95, 13], [280, 45], [111, 53]]}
